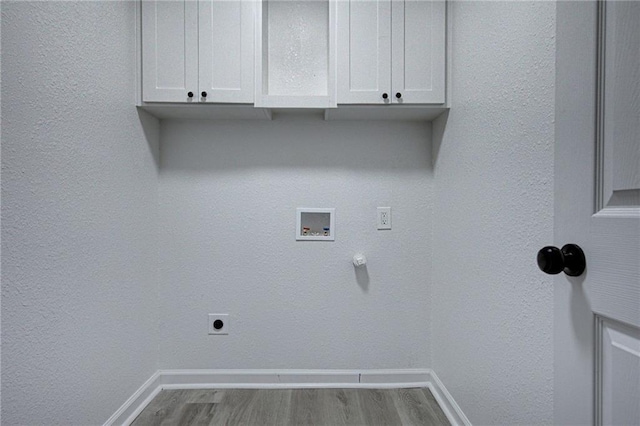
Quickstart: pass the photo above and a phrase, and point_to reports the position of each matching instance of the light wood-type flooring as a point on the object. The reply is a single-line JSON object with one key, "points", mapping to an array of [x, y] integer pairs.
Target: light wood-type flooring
{"points": [[331, 407]]}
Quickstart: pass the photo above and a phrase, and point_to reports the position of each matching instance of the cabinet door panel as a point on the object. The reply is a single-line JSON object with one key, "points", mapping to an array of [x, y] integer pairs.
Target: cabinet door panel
{"points": [[226, 50], [364, 50], [170, 50], [418, 51]]}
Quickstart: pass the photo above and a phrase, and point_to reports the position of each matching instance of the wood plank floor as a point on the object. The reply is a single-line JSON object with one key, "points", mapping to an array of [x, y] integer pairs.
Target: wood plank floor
{"points": [[331, 407]]}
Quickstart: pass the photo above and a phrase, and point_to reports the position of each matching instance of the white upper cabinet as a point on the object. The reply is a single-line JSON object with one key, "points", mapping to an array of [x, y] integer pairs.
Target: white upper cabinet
{"points": [[197, 51], [418, 51], [295, 54], [358, 54], [391, 51], [364, 51], [170, 50], [226, 50]]}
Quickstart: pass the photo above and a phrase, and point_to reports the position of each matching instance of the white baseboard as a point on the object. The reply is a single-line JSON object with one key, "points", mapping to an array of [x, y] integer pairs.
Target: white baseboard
{"points": [[446, 402], [128, 412], [274, 379]]}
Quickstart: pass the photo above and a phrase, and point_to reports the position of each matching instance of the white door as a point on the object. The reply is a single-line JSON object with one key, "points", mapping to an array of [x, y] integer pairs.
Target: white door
{"points": [[597, 206], [226, 40], [364, 51], [170, 53], [418, 51]]}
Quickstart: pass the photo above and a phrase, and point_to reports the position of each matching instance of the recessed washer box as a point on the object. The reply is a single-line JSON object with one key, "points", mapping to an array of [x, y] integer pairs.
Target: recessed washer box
{"points": [[315, 224]]}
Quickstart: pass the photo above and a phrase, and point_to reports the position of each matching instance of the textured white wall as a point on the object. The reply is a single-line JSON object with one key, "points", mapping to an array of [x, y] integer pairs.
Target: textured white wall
{"points": [[493, 310], [228, 197], [79, 307], [0, 219], [79, 202]]}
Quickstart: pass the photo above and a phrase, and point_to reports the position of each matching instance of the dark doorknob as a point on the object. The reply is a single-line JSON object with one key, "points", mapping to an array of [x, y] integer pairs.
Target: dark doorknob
{"points": [[569, 259]]}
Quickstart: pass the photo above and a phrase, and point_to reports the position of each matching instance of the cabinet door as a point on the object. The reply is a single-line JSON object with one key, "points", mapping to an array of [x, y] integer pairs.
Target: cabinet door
{"points": [[169, 50], [418, 51], [226, 41], [364, 51]]}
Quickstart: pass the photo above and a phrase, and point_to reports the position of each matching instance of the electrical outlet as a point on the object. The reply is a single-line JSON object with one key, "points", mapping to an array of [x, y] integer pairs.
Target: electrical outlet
{"points": [[384, 217], [218, 323]]}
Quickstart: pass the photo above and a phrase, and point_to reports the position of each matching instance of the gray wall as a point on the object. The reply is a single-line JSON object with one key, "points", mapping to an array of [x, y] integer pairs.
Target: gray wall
{"points": [[79, 202], [492, 317], [228, 198], [84, 302]]}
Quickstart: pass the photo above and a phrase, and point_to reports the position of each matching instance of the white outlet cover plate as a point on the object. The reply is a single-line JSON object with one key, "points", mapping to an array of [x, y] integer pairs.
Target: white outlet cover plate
{"points": [[382, 210], [224, 318]]}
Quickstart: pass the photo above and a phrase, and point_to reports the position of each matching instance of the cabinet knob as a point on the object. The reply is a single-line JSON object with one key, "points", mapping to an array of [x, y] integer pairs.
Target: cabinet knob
{"points": [[398, 95], [190, 94], [204, 94], [570, 260], [385, 96]]}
